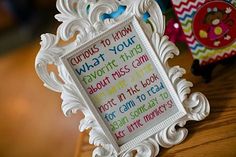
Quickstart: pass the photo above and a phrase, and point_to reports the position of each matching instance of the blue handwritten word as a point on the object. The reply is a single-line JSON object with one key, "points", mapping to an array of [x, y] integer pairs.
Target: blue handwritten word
{"points": [[128, 105], [120, 47], [86, 67]]}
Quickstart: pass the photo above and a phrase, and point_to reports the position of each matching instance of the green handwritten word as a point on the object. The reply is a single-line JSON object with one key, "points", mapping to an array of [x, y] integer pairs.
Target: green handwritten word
{"points": [[125, 44], [140, 60], [141, 72], [101, 84], [127, 106], [164, 95], [100, 72], [98, 97], [158, 111], [120, 84], [122, 33], [131, 53], [144, 108], [119, 123]]}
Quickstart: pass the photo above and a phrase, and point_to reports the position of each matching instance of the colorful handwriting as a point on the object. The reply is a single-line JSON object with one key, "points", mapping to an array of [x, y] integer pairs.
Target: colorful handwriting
{"points": [[123, 83]]}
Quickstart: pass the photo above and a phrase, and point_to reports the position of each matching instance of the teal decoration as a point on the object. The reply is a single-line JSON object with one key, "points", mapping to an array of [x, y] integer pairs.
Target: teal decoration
{"points": [[114, 14], [146, 15]]}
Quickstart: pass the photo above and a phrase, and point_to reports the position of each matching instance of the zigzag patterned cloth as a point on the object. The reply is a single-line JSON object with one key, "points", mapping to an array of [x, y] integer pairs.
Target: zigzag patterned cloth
{"points": [[186, 10]]}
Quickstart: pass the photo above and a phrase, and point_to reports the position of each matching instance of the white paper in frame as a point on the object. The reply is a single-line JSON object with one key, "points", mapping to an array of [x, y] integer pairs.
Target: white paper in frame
{"points": [[147, 85], [117, 74]]}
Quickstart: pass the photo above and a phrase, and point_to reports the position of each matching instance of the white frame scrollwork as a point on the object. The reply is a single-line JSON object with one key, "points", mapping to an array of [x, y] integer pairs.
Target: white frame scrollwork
{"points": [[82, 18]]}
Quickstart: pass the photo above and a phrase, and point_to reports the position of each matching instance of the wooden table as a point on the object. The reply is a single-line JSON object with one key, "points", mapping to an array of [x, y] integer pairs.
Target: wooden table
{"points": [[32, 123], [213, 137]]}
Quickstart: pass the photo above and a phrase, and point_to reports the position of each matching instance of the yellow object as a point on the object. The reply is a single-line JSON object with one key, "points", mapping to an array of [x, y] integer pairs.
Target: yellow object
{"points": [[203, 34], [218, 30]]}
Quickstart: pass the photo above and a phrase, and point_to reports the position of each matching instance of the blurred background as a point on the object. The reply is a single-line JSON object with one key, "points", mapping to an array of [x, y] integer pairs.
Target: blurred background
{"points": [[31, 121], [24, 20]]}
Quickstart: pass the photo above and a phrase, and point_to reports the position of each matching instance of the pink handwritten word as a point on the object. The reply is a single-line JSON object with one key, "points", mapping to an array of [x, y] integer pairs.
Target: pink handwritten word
{"points": [[84, 55]]}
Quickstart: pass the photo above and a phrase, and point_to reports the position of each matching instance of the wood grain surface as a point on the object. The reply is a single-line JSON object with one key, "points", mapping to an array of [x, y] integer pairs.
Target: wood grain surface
{"points": [[33, 125], [213, 137]]}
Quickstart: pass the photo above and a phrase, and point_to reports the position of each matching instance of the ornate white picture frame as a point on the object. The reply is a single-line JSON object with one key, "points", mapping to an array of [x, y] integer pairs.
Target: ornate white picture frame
{"points": [[96, 21]]}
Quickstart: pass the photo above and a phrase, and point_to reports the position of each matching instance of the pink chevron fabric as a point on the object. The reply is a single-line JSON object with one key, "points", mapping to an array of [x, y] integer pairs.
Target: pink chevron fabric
{"points": [[208, 27]]}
